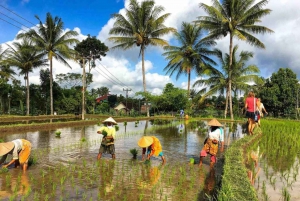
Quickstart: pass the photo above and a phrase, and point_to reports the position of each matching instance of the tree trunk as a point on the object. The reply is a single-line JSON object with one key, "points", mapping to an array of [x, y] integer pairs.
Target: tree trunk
{"points": [[144, 78], [189, 82], [27, 94], [51, 87], [229, 75], [83, 90], [226, 103]]}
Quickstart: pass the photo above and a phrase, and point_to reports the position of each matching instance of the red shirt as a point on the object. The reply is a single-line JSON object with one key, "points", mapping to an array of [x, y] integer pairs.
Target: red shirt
{"points": [[251, 101]]}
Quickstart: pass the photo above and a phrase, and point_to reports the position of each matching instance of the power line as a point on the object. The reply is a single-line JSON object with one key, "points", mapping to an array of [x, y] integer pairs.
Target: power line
{"points": [[14, 20], [11, 24], [108, 78], [17, 15], [113, 75]]}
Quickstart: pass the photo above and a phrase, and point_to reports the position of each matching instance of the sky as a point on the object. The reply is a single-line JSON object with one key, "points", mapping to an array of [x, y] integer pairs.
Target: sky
{"points": [[121, 70]]}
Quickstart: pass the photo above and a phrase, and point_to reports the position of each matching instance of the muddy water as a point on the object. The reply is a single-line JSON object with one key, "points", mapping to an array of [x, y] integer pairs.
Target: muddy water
{"points": [[67, 168]]}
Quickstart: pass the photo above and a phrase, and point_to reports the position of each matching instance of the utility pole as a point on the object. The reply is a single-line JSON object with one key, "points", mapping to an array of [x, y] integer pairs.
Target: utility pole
{"points": [[126, 96]]}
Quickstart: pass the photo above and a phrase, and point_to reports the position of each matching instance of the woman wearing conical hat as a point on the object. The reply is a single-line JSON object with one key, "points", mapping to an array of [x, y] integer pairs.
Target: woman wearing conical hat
{"points": [[152, 146], [19, 149], [108, 140], [211, 144]]}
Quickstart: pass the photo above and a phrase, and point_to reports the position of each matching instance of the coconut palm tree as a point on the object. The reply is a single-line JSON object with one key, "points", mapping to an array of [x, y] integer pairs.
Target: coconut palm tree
{"points": [[53, 41], [218, 81], [26, 57], [239, 19], [192, 53], [142, 25], [6, 72]]}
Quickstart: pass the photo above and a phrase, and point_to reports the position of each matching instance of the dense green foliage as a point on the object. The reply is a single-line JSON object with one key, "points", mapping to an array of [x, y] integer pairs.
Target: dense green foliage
{"points": [[280, 92]]}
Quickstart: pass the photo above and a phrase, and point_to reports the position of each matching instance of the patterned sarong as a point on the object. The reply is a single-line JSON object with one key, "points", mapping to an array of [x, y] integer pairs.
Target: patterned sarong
{"points": [[210, 147]]}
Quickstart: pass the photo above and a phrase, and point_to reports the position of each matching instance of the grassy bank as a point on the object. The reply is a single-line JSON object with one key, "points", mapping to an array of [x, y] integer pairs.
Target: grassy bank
{"points": [[235, 184]]}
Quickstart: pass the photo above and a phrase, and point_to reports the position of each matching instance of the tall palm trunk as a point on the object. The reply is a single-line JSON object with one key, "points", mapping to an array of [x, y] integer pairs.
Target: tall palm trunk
{"points": [[27, 94], [144, 77], [226, 102], [189, 82], [51, 87], [229, 75]]}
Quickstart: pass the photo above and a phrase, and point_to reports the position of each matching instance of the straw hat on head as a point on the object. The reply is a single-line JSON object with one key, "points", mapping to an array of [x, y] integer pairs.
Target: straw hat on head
{"points": [[6, 147], [214, 122], [111, 120], [145, 141]]}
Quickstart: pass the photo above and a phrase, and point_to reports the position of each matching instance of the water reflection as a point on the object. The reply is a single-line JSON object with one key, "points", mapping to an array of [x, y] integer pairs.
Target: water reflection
{"points": [[14, 184]]}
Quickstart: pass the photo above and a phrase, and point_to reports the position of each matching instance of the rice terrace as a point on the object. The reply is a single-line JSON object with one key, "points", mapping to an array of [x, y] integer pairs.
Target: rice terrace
{"points": [[147, 100]]}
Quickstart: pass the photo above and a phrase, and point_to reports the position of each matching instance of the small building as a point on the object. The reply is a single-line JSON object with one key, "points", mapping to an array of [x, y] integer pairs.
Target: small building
{"points": [[121, 108]]}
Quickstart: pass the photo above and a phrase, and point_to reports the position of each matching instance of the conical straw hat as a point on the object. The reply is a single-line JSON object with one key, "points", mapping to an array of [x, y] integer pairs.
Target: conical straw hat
{"points": [[145, 141], [111, 120], [6, 147], [214, 122]]}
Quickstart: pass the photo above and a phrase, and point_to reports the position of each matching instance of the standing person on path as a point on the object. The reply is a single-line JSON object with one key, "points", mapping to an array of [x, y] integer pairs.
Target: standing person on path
{"points": [[181, 113], [151, 145], [211, 144], [108, 141], [20, 150], [261, 108], [251, 106]]}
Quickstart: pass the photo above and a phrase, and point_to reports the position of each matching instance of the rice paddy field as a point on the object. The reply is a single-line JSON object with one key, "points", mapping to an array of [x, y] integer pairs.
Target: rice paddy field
{"points": [[65, 165], [276, 177]]}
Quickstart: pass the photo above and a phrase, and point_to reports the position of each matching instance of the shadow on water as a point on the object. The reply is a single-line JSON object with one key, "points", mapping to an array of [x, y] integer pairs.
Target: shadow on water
{"points": [[67, 168]]}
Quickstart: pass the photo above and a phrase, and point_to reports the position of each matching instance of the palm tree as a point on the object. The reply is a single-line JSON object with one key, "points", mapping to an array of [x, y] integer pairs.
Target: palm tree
{"points": [[6, 72], [218, 81], [142, 25], [53, 41], [191, 54], [238, 19], [26, 57]]}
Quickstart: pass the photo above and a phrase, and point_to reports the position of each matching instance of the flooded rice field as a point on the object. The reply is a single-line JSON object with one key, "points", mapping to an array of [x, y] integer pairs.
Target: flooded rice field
{"points": [[66, 167], [277, 171]]}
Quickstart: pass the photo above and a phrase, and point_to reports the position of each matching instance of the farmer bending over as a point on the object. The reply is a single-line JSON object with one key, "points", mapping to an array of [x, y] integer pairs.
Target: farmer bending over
{"points": [[108, 140], [19, 149], [211, 144], [153, 146]]}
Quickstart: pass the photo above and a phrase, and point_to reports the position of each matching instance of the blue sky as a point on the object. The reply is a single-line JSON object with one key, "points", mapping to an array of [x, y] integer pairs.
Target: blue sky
{"points": [[94, 17]]}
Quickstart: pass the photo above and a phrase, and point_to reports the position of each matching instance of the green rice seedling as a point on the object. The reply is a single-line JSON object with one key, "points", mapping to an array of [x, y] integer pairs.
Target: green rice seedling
{"points": [[125, 123], [285, 194], [83, 139], [134, 152], [3, 170], [57, 133]]}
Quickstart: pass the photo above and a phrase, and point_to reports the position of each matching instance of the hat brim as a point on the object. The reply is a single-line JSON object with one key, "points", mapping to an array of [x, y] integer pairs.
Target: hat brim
{"points": [[111, 120], [214, 122], [6, 147], [145, 141]]}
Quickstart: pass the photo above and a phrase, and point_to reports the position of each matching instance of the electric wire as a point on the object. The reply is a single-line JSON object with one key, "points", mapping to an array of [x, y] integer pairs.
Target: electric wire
{"points": [[12, 24], [108, 78], [112, 74], [121, 84], [17, 14], [14, 20]]}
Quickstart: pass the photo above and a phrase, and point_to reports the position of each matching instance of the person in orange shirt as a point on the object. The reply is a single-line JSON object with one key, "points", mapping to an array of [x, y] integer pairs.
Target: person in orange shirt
{"points": [[152, 146]]}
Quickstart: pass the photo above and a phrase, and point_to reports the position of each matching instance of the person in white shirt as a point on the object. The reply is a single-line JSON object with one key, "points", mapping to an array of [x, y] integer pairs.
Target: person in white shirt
{"points": [[211, 143], [261, 108]]}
